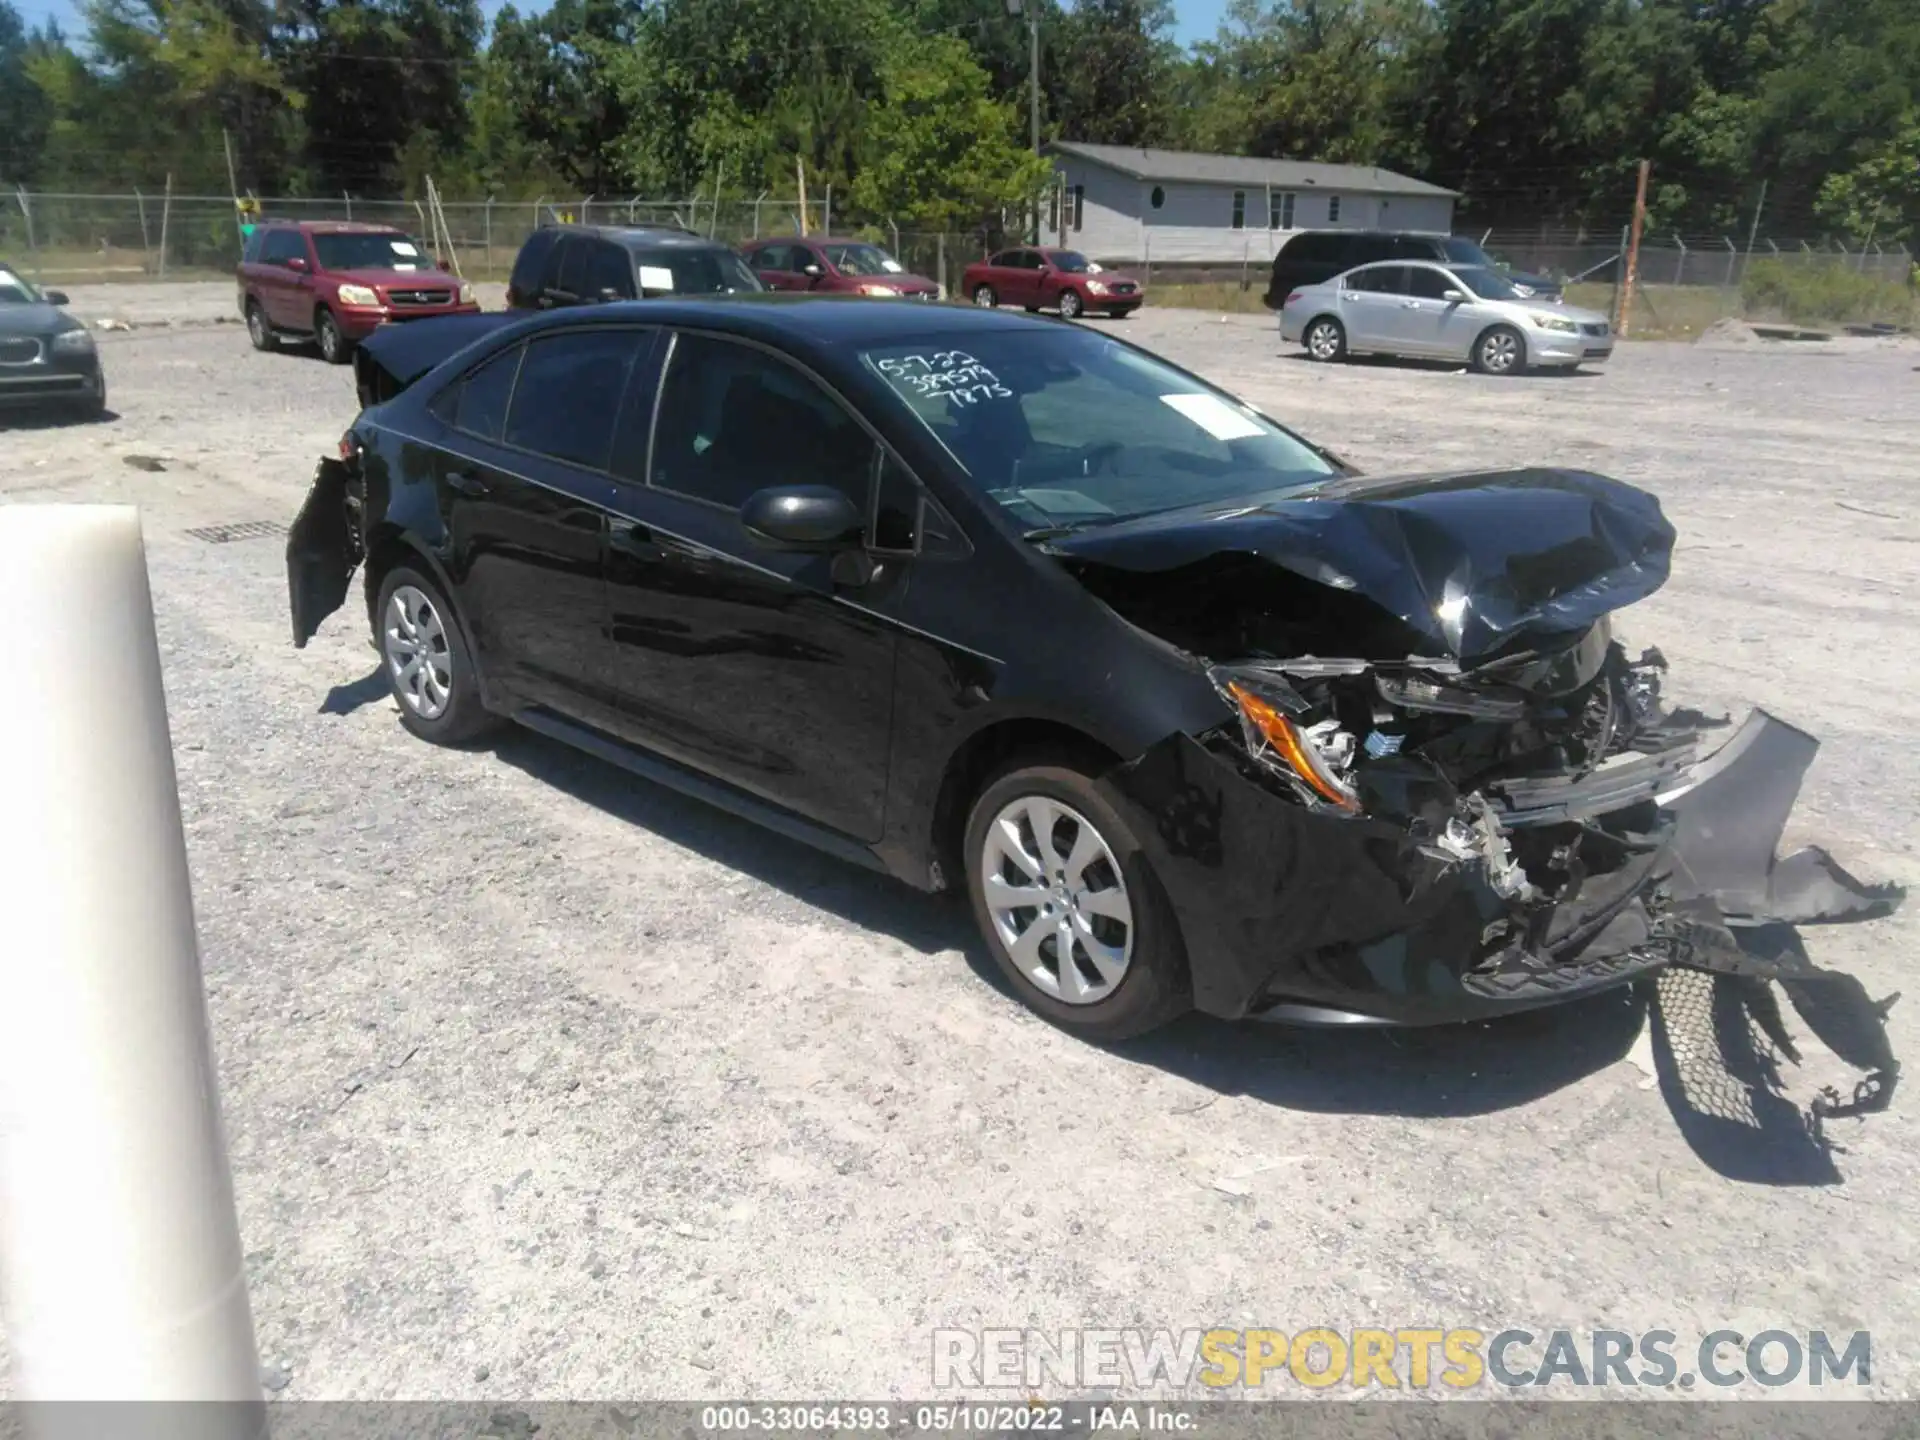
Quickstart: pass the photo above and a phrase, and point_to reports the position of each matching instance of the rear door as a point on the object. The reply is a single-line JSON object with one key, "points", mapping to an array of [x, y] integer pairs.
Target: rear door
{"points": [[1370, 306], [522, 476], [606, 272], [753, 665], [279, 287]]}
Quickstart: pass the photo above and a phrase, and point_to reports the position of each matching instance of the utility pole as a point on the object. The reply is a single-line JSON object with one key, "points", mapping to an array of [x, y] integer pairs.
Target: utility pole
{"points": [[1753, 230], [1633, 249], [1031, 10]]}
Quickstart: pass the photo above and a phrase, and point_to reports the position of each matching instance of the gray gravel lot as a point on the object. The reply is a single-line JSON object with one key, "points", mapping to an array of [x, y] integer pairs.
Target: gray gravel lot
{"points": [[536, 1071]]}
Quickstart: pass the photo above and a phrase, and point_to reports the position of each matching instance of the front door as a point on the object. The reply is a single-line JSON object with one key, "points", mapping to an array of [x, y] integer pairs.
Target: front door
{"points": [[754, 665], [522, 477], [1435, 324]]}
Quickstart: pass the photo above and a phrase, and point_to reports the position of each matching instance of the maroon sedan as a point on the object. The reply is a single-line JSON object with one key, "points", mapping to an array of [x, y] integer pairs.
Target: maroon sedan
{"points": [[1052, 279], [851, 267]]}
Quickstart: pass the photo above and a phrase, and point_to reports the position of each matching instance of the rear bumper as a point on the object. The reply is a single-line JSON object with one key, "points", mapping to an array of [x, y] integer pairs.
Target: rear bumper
{"points": [[1298, 915]]}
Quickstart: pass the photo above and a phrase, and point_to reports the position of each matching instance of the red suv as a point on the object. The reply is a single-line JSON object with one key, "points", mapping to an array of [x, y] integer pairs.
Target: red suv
{"points": [[803, 262], [1051, 279], [337, 283]]}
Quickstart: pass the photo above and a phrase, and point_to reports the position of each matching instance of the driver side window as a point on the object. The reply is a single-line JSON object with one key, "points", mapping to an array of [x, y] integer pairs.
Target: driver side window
{"points": [[734, 419]]}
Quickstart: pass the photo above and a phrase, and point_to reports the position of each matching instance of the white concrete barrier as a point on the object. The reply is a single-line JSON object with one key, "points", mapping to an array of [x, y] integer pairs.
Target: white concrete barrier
{"points": [[123, 1278]]}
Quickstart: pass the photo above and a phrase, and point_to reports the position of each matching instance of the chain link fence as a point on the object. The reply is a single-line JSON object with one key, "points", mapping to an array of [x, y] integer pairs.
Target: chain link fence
{"points": [[75, 238], [1718, 261]]}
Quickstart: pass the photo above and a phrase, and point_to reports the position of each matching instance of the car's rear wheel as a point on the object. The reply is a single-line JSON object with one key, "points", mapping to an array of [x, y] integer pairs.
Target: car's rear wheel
{"points": [[334, 346], [424, 656], [258, 330], [1070, 305], [1325, 339], [1501, 351], [1069, 906], [984, 297]]}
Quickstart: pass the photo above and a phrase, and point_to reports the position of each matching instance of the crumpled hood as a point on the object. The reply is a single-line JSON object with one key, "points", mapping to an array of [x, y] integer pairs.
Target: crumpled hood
{"points": [[1469, 562]]}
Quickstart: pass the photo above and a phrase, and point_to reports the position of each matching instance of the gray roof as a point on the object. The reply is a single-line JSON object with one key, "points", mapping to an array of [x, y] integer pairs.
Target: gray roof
{"points": [[1177, 165]]}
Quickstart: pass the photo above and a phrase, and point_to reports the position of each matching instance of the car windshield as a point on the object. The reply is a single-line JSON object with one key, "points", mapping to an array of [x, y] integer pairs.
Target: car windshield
{"points": [[862, 260], [16, 289], [1465, 252], [1487, 284], [716, 271], [349, 251], [1071, 261], [1071, 428]]}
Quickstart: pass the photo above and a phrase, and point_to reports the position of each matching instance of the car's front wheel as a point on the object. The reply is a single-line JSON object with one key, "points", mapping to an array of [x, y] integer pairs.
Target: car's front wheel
{"points": [[1070, 305], [984, 297], [333, 343], [425, 659], [1501, 351], [1325, 339], [1069, 905]]}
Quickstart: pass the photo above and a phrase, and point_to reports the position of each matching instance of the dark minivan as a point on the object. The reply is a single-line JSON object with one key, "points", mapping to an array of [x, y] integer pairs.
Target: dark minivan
{"points": [[562, 265], [1316, 255]]}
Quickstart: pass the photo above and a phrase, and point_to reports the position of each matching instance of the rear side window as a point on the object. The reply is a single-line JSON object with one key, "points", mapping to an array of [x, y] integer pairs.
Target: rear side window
{"points": [[530, 264], [566, 264], [282, 246], [1381, 280], [568, 395], [608, 273], [481, 408]]}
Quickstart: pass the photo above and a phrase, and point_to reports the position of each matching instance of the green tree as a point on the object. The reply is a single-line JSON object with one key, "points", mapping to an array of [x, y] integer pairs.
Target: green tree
{"points": [[24, 110], [551, 76], [941, 152], [1108, 71], [1879, 198]]}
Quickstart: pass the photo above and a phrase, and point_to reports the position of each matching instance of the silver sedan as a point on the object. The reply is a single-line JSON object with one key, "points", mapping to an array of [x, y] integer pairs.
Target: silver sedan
{"points": [[1441, 312]]}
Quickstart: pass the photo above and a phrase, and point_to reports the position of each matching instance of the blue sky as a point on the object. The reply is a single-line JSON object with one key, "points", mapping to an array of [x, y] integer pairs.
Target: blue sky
{"points": [[1193, 19]]}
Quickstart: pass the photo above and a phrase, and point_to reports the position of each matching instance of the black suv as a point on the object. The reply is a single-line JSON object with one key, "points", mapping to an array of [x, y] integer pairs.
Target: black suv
{"points": [[1316, 255], [596, 264]]}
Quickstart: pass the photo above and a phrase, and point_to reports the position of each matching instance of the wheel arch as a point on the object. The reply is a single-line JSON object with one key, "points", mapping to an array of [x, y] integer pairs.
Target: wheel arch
{"points": [[989, 749], [1473, 351]]}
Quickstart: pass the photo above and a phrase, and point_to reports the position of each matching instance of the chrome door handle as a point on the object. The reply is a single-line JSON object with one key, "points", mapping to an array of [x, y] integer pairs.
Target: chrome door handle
{"points": [[465, 483]]}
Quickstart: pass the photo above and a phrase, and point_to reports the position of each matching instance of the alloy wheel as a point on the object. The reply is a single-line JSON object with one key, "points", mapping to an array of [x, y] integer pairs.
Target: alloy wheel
{"points": [[1057, 899], [413, 640], [257, 327], [984, 297], [1323, 340], [1069, 305]]}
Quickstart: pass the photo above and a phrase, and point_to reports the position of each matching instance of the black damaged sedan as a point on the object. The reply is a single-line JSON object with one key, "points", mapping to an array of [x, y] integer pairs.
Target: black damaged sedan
{"points": [[1197, 716]]}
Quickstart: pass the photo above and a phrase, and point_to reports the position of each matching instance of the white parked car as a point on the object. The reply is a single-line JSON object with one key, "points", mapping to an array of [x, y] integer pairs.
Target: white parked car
{"points": [[1441, 312]]}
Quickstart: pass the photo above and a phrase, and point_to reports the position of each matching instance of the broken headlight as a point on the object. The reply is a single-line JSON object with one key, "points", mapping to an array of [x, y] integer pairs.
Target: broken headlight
{"points": [[1315, 755]]}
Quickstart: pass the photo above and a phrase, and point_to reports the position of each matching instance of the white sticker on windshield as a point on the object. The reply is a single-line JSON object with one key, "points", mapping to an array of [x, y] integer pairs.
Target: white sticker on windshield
{"points": [[655, 277], [1214, 415], [1094, 267], [405, 247], [892, 267]]}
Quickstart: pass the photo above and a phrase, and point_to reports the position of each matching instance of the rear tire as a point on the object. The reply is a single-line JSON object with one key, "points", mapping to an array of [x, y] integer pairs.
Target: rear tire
{"points": [[335, 348], [1125, 970], [1325, 339], [426, 662], [984, 297], [258, 330]]}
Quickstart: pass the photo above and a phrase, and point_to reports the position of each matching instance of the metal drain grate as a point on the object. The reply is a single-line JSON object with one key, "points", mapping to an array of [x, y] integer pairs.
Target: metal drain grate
{"points": [[244, 530]]}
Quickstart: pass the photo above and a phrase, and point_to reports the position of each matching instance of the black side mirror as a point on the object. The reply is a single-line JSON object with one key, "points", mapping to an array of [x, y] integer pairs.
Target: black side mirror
{"points": [[56, 297], [811, 518]]}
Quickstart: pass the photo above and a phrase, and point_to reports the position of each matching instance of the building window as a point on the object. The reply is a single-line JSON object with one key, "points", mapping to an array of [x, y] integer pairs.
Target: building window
{"points": [[1280, 211], [1239, 209], [1053, 209], [1333, 209], [1079, 205], [1157, 198]]}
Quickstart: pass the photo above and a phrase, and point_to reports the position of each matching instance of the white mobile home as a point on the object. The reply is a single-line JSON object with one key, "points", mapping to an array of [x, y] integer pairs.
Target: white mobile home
{"points": [[1136, 206]]}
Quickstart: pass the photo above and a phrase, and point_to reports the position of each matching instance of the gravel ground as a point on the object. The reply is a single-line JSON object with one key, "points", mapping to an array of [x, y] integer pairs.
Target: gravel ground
{"points": [[544, 1083]]}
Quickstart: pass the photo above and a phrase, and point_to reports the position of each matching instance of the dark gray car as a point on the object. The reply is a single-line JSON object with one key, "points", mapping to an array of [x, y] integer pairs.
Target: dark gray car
{"points": [[46, 356]]}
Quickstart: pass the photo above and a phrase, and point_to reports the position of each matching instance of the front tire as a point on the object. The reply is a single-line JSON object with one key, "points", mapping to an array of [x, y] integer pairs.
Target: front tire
{"points": [[1501, 351], [1070, 907], [426, 662], [984, 297], [258, 330], [1325, 339], [334, 345], [1071, 306]]}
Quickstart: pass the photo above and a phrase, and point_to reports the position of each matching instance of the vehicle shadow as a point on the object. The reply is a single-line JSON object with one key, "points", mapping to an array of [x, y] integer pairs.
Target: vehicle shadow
{"points": [[53, 419], [1444, 367], [345, 699], [1716, 1041]]}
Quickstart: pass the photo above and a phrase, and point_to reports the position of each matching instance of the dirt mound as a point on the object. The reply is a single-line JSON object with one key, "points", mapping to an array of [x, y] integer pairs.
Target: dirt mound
{"points": [[1728, 332]]}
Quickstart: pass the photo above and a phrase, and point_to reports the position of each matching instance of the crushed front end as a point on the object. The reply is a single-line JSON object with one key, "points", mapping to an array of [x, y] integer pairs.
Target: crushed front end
{"points": [[1417, 841]]}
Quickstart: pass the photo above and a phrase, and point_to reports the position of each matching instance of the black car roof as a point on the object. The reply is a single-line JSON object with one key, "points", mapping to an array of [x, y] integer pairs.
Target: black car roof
{"points": [[830, 320], [651, 236]]}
